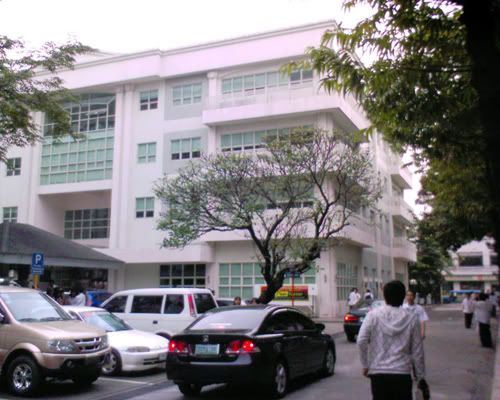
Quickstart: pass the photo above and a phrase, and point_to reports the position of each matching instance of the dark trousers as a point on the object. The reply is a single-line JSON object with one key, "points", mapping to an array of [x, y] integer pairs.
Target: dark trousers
{"points": [[468, 320], [485, 335], [391, 387]]}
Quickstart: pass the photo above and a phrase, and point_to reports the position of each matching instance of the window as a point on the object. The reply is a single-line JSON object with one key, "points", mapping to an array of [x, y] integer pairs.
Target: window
{"points": [[347, 278], [144, 207], [10, 214], [146, 304], [13, 166], [182, 275], [149, 100], [204, 302], [493, 259], [185, 148], [257, 83], [254, 140], [186, 94], [470, 261], [116, 305], [86, 224], [146, 153], [174, 304], [243, 319]]}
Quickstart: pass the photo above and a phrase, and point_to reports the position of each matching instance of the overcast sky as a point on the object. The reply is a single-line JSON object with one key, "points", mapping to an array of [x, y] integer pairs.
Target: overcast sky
{"points": [[133, 25]]}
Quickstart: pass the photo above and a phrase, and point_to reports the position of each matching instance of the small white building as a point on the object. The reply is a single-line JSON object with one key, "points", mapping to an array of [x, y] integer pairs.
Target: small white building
{"points": [[145, 115], [474, 267]]}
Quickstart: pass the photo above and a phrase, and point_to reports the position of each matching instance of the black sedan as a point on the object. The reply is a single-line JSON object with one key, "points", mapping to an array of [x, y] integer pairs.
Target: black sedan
{"points": [[265, 345], [354, 318]]}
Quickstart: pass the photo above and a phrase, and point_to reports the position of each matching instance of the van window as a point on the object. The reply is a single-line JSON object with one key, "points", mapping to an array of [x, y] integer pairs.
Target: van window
{"points": [[174, 304], [204, 302], [147, 304], [116, 305]]}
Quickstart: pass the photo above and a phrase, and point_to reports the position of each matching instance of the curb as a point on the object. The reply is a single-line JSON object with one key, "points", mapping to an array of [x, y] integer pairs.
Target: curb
{"points": [[495, 390]]}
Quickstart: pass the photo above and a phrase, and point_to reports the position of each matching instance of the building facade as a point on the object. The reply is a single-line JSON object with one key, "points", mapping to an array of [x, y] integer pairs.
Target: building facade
{"points": [[147, 114], [474, 267]]}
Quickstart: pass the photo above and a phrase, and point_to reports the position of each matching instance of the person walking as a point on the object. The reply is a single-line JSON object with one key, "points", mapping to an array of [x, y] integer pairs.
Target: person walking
{"points": [[368, 297], [482, 314], [390, 347], [417, 310], [353, 298], [468, 309], [77, 297]]}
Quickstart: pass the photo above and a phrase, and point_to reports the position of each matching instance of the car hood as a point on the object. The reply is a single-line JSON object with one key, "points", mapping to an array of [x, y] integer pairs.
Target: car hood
{"points": [[132, 338], [69, 329]]}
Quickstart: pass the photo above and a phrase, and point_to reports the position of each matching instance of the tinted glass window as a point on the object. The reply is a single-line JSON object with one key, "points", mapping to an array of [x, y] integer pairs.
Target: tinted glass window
{"points": [[147, 304], [174, 304], [304, 323], [204, 302], [241, 319], [282, 322], [116, 305]]}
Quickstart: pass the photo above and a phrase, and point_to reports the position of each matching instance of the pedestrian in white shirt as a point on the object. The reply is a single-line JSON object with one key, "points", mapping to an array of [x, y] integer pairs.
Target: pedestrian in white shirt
{"points": [[77, 297], [354, 298], [468, 309], [482, 314], [417, 310]]}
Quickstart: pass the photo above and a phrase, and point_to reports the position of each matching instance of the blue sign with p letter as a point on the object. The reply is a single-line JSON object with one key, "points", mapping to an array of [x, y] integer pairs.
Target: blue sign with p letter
{"points": [[37, 265]]}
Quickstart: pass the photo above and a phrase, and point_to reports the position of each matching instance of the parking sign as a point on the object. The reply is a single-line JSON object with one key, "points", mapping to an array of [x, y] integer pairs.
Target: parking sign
{"points": [[37, 265]]}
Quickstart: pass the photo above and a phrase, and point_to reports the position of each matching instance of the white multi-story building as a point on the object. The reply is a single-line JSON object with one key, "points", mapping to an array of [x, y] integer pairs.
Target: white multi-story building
{"points": [[474, 267], [146, 114]]}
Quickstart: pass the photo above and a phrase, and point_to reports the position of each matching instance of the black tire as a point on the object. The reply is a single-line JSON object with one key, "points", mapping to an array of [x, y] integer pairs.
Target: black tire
{"points": [[114, 364], [190, 389], [278, 387], [328, 368], [24, 376], [87, 378], [351, 337]]}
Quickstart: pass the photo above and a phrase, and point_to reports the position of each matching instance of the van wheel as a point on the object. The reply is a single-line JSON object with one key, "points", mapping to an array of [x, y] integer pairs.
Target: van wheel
{"points": [[114, 365], [24, 376], [87, 378], [190, 389]]}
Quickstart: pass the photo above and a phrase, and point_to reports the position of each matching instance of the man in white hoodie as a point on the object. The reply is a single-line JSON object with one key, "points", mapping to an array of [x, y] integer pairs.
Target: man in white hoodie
{"points": [[390, 346]]}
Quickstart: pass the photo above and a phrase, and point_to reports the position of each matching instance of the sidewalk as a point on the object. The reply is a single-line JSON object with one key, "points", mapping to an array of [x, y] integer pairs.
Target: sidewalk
{"points": [[495, 390]]}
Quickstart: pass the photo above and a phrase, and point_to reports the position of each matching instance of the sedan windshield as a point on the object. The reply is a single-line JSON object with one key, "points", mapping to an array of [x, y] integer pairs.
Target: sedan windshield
{"points": [[104, 320], [33, 307], [241, 320]]}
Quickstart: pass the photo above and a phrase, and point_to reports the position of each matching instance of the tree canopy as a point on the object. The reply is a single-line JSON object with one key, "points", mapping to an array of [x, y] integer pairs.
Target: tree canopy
{"points": [[292, 199], [22, 91], [425, 90]]}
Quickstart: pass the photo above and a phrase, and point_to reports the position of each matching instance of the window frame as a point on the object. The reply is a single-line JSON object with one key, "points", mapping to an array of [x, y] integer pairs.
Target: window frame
{"points": [[10, 211], [148, 100], [79, 222], [194, 152], [180, 95], [13, 169], [146, 211], [148, 157], [144, 296], [196, 279]]}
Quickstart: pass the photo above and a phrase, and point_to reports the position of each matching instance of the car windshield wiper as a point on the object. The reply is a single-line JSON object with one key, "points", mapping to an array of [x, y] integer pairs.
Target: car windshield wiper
{"points": [[46, 319], [28, 320]]}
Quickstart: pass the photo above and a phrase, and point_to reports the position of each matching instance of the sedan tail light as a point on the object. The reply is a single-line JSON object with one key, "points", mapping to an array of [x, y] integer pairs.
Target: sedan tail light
{"points": [[351, 318], [242, 346], [177, 346]]}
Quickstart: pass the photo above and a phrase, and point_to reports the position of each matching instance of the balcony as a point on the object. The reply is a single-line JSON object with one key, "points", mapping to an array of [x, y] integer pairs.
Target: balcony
{"points": [[300, 100], [404, 250], [359, 232], [401, 175], [401, 211]]}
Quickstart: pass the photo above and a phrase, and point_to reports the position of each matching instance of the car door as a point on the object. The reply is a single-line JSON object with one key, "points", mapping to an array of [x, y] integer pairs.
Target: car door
{"points": [[174, 318], [145, 312], [314, 343]]}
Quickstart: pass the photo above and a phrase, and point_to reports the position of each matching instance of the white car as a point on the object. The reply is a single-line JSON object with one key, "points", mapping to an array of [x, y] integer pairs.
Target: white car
{"points": [[131, 350]]}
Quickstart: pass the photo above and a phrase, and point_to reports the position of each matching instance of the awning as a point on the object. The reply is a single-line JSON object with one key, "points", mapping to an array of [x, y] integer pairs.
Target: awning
{"points": [[19, 241]]}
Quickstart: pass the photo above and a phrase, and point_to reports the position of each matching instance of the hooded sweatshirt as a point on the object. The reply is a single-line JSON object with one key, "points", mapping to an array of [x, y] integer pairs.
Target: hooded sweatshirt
{"points": [[389, 342]]}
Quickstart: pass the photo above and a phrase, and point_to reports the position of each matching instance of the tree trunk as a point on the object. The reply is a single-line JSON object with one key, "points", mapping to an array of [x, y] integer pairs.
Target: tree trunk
{"points": [[482, 22]]}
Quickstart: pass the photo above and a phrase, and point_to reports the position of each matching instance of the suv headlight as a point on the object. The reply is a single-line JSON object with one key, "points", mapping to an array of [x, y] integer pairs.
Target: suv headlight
{"points": [[61, 346], [104, 342], [138, 349]]}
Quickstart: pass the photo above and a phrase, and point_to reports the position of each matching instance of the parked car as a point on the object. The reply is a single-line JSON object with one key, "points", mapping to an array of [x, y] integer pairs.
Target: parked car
{"points": [[354, 318], [96, 297], [265, 345], [227, 301], [38, 339], [161, 311], [131, 350]]}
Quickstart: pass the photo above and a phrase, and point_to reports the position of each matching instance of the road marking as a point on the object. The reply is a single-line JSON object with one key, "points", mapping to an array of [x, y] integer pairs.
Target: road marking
{"points": [[127, 381]]}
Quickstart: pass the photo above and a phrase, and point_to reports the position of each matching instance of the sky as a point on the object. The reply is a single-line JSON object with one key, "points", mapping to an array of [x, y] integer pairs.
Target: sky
{"points": [[123, 26]]}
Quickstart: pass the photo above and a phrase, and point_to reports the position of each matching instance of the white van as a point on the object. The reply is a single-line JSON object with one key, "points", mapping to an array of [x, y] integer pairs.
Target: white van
{"points": [[161, 311]]}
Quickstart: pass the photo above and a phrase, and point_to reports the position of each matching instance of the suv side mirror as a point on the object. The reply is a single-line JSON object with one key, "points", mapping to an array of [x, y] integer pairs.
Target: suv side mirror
{"points": [[320, 327]]}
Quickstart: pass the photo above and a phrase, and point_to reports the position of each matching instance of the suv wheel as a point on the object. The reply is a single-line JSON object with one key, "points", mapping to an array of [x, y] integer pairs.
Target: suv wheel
{"points": [[23, 376], [86, 378], [113, 365], [190, 389]]}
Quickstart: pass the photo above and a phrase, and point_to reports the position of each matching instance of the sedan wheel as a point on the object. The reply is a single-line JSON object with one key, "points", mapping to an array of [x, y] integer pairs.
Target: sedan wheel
{"points": [[329, 363], [190, 389], [113, 365], [279, 386]]}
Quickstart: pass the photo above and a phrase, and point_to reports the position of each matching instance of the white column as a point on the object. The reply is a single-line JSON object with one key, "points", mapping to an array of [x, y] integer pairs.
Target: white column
{"points": [[212, 84], [34, 174]]}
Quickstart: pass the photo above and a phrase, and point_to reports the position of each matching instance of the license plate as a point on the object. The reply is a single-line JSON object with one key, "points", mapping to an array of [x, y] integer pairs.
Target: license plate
{"points": [[206, 349]]}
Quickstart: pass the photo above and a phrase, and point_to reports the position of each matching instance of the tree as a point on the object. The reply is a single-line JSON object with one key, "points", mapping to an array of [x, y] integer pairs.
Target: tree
{"points": [[433, 87], [292, 199], [22, 91]]}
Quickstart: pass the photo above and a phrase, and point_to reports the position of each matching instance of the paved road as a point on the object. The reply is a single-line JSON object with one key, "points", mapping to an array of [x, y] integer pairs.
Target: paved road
{"points": [[458, 368]]}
